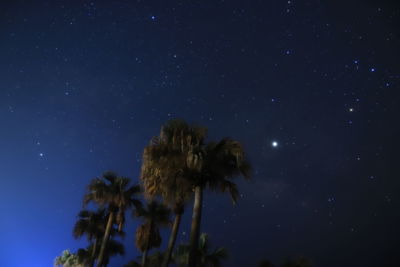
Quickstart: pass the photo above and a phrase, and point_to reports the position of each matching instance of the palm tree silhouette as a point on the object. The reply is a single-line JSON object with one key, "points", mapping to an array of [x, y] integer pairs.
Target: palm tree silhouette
{"points": [[91, 224], [148, 234], [214, 165], [116, 194]]}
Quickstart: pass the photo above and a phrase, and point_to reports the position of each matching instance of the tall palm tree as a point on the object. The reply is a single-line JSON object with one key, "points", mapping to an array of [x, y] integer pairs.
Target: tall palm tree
{"points": [[91, 224], [180, 158], [148, 234], [214, 165], [163, 169], [206, 257], [116, 194]]}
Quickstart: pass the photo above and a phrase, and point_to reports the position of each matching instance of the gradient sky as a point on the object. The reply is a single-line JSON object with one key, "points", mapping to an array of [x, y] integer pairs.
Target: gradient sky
{"points": [[85, 85]]}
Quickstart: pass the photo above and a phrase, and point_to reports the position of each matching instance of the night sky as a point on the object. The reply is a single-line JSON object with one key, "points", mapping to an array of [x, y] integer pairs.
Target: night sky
{"points": [[85, 85]]}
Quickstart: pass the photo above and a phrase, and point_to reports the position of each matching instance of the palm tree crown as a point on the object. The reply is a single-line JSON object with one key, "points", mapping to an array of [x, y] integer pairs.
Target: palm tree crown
{"points": [[165, 161], [91, 224], [114, 192]]}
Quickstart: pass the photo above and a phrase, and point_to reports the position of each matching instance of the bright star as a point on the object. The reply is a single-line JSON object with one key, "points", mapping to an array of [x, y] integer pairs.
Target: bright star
{"points": [[274, 144]]}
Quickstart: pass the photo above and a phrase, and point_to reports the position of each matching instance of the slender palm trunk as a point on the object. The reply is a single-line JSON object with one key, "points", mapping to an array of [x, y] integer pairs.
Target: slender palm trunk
{"points": [[105, 239], [120, 216], [195, 230], [144, 256], [172, 239], [93, 256]]}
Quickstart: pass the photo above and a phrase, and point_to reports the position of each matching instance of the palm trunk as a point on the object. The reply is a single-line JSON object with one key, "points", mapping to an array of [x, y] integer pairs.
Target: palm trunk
{"points": [[195, 230], [105, 239], [144, 256], [93, 257], [120, 220], [172, 239], [120, 227]]}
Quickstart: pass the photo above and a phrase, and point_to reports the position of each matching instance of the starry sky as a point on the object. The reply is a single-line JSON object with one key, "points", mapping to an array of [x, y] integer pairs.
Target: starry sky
{"points": [[309, 87]]}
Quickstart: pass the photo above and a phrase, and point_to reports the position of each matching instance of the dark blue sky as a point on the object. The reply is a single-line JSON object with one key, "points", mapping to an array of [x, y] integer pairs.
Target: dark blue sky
{"points": [[85, 85]]}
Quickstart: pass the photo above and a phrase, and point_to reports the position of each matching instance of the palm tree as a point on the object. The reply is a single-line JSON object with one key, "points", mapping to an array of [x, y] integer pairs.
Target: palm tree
{"points": [[91, 224], [164, 162], [148, 234], [214, 165], [206, 258], [115, 193], [184, 160]]}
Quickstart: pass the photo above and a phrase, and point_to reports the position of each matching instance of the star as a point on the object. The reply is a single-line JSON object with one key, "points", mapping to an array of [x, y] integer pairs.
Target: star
{"points": [[274, 144], [41, 155]]}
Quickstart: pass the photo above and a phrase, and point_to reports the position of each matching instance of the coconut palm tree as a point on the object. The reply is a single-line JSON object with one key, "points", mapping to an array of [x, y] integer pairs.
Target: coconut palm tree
{"points": [[116, 194], [206, 257], [163, 169], [214, 166], [148, 234]]}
